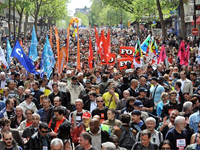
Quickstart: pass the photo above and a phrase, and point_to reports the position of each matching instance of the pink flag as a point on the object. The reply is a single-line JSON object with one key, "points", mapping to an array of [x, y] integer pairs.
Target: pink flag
{"points": [[181, 53], [187, 55], [162, 55]]}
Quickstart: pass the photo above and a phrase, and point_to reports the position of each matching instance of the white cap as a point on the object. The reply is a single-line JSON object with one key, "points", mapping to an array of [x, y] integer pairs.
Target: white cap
{"points": [[69, 72]]}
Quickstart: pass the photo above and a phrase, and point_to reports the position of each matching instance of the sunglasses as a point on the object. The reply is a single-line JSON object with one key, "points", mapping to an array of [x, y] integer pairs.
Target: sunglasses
{"points": [[8, 139], [44, 131], [99, 101]]}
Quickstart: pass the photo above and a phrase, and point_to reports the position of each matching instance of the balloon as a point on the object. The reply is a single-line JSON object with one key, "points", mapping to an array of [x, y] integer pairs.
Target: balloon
{"points": [[74, 19]]}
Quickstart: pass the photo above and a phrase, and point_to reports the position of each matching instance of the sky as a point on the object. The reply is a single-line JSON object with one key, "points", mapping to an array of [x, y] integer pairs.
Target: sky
{"points": [[77, 4]]}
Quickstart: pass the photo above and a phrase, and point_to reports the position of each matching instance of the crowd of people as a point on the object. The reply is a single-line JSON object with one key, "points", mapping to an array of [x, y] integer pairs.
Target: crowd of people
{"points": [[104, 107]]}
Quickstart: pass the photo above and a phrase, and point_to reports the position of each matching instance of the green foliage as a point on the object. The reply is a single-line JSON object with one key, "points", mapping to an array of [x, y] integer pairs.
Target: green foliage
{"points": [[84, 18]]}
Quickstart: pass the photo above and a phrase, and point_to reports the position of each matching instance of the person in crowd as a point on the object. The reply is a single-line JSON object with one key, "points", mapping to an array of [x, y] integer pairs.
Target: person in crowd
{"points": [[138, 106], [56, 144], [145, 141], [129, 105], [36, 91], [31, 80], [5, 94], [178, 136], [156, 136], [147, 103], [108, 145], [122, 103], [57, 103], [112, 122], [85, 142], [18, 118], [46, 104], [91, 104], [8, 142], [194, 120], [111, 97], [81, 127], [165, 99], [21, 96], [102, 126], [74, 89], [179, 97], [132, 89], [63, 96], [64, 135], [9, 110], [28, 104], [26, 123], [75, 117], [120, 132], [195, 81], [29, 131], [40, 139], [156, 91], [136, 123], [186, 84], [124, 85], [195, 104], [165, 145], [98, 136], [114, 139], [144, 84], [101, 110], [56, 121]]}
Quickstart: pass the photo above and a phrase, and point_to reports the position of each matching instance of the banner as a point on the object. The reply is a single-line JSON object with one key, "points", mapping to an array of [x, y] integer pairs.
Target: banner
{"points": [[152, 57], [181, 53], [62, 59], [138, 55], [9, 51], [125, 63], [111, 60], [97, 40], [162, 55], [127, 51], [23, 59], [50, 37], [58, 48], [145, 44], [90, 57], [187, 55], [33, 54]]}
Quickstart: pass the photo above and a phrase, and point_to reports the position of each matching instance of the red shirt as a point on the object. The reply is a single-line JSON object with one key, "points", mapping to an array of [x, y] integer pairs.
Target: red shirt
{"points": [[58, 123], [28, 123]]}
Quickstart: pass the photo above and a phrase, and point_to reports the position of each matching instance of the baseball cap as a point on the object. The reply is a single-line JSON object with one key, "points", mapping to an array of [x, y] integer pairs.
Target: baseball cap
{"points": [[136, 112], [138, 103], [142, 89], [86, 115]]}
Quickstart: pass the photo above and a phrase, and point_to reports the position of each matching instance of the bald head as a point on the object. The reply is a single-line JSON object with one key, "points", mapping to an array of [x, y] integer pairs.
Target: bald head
{"points": [[96, 117]]}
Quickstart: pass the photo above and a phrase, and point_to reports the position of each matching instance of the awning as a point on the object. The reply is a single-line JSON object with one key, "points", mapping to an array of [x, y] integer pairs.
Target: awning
{"points": [[197, 21]]}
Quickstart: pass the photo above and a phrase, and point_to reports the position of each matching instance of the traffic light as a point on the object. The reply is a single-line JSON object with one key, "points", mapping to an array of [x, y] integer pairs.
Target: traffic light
{"points": [[197, 7]]}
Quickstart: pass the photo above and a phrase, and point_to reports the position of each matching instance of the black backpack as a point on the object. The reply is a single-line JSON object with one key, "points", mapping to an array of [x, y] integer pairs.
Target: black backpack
{"points": [[127, 139]]}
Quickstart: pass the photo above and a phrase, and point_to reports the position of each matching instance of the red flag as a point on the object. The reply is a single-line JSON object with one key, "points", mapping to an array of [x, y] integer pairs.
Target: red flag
{"points": [[97, 39], [187, 55], [181, 53], [21, 42], [90, 57], [162, 55], [103, 46]]}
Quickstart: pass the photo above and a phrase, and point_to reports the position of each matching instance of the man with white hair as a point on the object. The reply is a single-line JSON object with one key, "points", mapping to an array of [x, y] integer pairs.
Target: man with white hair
{"points": [[178, 136], [108, 146], [156, 136], [187, 108], [3, 81], [56, 144]]}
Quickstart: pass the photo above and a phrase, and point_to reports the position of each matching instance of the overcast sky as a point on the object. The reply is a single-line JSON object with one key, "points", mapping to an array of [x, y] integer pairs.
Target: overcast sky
{"points": [[77, 4]]}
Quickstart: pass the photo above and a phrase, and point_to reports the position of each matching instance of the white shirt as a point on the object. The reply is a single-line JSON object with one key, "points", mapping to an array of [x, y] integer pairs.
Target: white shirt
{"points": [[93, 105], [182, 84]]}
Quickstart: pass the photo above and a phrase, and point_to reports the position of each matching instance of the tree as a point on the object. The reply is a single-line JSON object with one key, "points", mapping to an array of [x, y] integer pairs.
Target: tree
{"points": [[182, 14], [84, 18]]}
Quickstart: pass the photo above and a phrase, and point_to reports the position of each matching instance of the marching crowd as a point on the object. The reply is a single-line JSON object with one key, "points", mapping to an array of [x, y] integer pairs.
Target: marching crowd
{"points": [[101, 108]]}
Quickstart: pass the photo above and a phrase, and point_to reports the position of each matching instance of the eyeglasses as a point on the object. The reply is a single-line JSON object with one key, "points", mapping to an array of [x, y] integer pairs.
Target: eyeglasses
{"points": [[44, 131], [99, 101], [8, 139]]}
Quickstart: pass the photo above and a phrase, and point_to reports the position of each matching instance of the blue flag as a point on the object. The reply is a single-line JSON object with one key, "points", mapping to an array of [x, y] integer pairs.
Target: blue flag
{"points": [[47, 61], [23, 59], [33, 54], [9, 51]]}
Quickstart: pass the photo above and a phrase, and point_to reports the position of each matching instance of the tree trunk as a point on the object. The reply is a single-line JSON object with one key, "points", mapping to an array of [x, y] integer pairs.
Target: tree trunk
{"points": [[9, 16], [182, 15], [25, 25], [14, 20], [161, 19], [20, 23]]}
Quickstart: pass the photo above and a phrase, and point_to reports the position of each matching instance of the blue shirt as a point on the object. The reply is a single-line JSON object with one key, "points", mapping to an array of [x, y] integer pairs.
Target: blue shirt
{"points": [[194, 120], [160, 108], [158, 92]]}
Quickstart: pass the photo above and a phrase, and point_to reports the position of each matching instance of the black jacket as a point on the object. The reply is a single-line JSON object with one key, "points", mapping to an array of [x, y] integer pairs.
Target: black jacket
{"points": [[138, 146], [35, 142], [132, 125], [167, 108], [104, 136]]}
